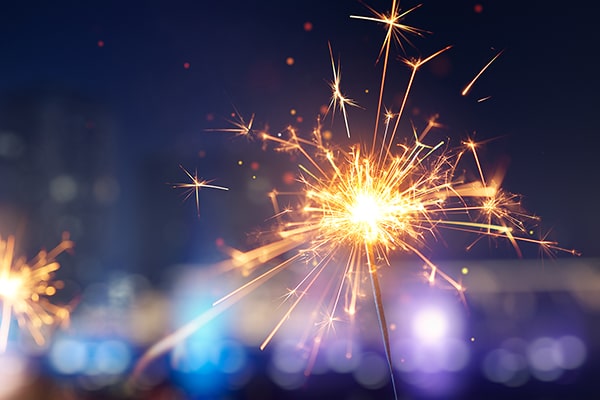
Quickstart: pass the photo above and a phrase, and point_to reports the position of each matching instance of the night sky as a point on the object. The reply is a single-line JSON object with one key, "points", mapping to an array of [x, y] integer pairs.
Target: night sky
{"points": [[130, 59], [148, 80]]}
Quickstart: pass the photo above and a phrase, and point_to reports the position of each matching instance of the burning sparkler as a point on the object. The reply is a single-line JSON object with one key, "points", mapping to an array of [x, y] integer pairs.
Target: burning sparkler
{"points": [[26, 288], [359, 206]]}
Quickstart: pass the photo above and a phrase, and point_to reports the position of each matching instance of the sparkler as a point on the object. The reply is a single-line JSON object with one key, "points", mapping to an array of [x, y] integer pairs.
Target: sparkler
{"points": [[357, 207], [26, 288]]}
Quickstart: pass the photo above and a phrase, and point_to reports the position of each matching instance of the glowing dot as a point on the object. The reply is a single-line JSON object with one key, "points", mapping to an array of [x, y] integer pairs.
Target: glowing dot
{"points": [[299, 119], [464, 270], [100, 43], [220, 242], [50, 291], [63, 188], [202, 153], [392, 327], [210, 117], [367, 91], [288, 178], [327, 135], [293, 111], [253, 176], [186, 65], [472, 338], [323, 109], [308, 26], [290, 61], [478, 8], [254, 166], [240, 162]]}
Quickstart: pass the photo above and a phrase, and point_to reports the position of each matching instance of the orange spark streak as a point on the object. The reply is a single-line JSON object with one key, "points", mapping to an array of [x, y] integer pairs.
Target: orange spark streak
{"points": [[468, 87]]}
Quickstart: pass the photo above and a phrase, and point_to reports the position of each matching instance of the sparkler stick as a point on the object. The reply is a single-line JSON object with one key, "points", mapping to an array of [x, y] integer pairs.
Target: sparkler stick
{"points": [[383, 326]]}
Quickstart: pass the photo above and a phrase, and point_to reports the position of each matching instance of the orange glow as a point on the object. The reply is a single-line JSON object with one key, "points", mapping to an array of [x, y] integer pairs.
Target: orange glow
{"points": [[26, 288]]}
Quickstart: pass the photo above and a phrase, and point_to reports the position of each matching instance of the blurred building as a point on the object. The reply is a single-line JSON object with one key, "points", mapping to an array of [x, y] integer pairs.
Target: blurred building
{"points": [[58, 173]]}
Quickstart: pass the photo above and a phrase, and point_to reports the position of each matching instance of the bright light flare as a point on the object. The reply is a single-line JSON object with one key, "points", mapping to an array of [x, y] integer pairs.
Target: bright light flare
{"points": [[365, 214], [430, 325], [26, 289]]}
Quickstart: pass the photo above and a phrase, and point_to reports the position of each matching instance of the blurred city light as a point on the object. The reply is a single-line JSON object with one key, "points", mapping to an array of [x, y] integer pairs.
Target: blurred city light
{"points": [[430, 325], [13, 374]]}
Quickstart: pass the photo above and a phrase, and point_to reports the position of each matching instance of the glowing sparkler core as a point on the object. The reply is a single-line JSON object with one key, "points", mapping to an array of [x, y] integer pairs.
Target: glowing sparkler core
{"points": [[10, 287], [25, 289], [363, 203], [366, 213]]}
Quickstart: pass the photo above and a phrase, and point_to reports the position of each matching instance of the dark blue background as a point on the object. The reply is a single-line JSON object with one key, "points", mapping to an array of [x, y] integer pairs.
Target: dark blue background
{"points": [[133, 98]]}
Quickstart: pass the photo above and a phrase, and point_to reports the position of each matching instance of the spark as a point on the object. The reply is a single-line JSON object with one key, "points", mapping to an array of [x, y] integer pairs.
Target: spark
{"points": [[358, 207], [193, 187], [396, 32], [338, 100], [240, 126], [470, 84], [26, 288]]}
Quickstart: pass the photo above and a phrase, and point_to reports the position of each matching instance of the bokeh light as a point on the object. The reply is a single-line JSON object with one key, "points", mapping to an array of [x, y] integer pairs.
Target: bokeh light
{"points": [[372, 372], [13, 374], [69, 356], [545, 359], [430, 325]]}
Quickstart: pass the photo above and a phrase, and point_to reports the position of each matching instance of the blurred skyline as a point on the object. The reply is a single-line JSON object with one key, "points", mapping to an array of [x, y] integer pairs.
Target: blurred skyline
{"points": [[102, 103]]}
